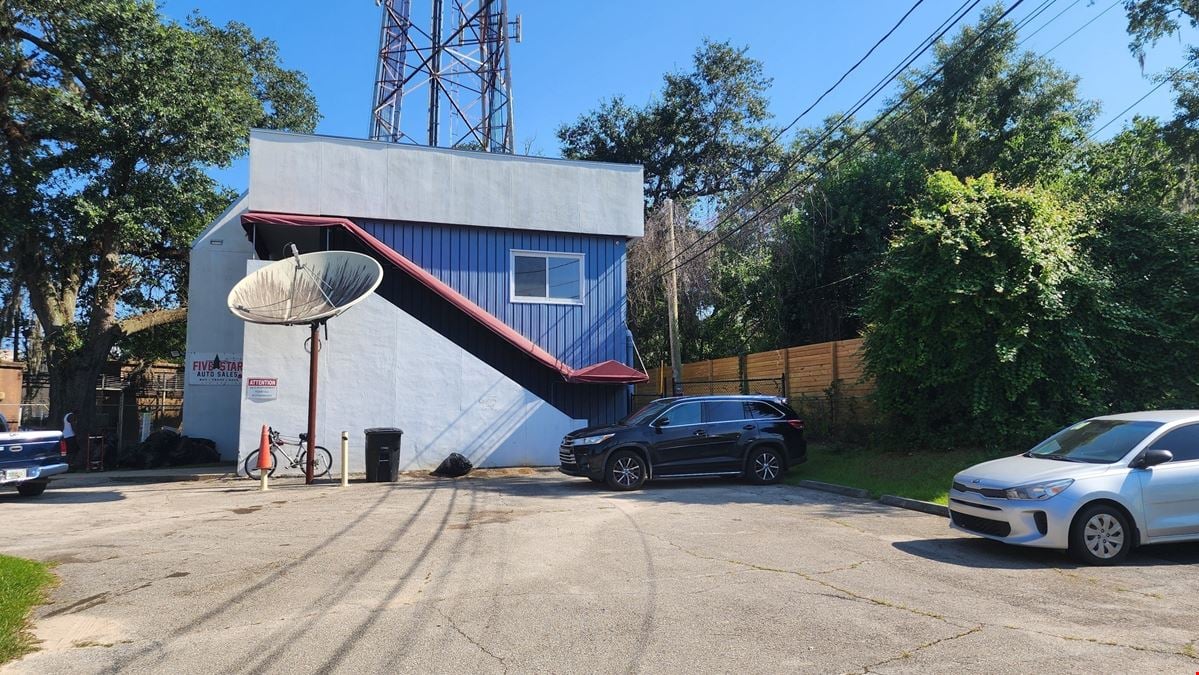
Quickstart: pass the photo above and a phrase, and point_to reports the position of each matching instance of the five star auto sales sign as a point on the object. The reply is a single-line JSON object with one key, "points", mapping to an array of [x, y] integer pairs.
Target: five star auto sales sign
{"points": [[212, 368]]}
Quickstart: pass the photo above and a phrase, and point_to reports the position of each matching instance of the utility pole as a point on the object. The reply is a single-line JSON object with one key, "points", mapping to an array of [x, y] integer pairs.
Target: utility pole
{"points": [[672, 305]]}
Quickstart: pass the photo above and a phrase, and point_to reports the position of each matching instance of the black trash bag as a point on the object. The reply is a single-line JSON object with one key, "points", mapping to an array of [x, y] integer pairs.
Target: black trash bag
{"points": [[152, 453], [454, 466], [194, 451]]}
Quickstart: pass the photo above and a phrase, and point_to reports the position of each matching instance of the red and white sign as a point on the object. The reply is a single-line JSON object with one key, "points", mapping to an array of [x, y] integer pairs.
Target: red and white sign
{"points": [[213, 368], [262, 388]]}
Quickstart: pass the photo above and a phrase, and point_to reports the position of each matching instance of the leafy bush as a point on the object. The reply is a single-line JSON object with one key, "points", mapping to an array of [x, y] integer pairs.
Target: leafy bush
{"points": [[1150, 331], [979, 320]]}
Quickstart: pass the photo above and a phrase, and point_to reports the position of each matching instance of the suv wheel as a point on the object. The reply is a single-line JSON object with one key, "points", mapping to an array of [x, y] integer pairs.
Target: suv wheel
{"points": [[32, 488], [626, 471], [765, 466], [1100, 535]]}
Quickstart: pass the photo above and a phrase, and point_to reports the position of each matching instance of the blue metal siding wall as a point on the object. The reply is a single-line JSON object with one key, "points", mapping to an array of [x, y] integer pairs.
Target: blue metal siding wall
{"points": [[475, 262]]}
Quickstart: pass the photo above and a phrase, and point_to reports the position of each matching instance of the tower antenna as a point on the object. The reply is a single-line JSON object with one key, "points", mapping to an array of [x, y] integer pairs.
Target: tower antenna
{"points": [[459, 67]]}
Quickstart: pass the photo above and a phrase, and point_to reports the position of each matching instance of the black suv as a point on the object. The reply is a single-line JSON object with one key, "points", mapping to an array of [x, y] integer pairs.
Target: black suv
{"points": [[758, 437]]}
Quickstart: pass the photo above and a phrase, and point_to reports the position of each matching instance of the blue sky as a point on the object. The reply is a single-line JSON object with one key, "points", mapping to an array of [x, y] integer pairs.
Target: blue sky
{"points": [[576, 53]]}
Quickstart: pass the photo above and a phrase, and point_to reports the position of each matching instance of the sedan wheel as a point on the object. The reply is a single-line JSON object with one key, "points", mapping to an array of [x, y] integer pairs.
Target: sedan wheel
{"points": [[1100, 535], [766, 466], [626, 471]]}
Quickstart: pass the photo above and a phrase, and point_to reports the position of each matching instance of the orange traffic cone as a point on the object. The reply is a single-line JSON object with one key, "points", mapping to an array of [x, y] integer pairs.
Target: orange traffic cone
{"points": [[264, 457]]}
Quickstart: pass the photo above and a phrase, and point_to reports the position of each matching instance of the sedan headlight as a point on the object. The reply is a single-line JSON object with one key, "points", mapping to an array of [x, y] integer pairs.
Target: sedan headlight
{"points": [[1039, 491], [591, 440]]}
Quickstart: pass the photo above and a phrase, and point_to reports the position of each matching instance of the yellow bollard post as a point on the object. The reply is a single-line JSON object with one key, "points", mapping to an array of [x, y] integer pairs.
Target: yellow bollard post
{"points": [[345, 459]]}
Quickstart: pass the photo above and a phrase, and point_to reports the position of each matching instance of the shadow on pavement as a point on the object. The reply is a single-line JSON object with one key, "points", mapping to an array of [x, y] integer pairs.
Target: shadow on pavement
{"points": [[988, 554], [63, 497], [685, 491]]}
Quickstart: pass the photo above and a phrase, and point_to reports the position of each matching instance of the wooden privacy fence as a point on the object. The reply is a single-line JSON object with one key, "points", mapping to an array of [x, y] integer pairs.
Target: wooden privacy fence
{"points": [[824, 381]]}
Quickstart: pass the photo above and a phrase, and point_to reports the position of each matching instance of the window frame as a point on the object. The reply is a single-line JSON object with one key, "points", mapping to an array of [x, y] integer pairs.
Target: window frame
{"points": [[778, 414], [703, 412], [666, 414], [514, 298], [708, 407], [1153, 445]]}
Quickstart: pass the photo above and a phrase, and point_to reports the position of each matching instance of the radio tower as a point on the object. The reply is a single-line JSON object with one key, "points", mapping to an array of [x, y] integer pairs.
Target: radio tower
{"points": [[460, 68]]}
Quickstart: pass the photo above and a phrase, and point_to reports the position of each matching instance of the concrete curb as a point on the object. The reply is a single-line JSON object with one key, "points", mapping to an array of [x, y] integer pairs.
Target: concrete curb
{"points": [[889, 500], [832, 487], [195, 477], [915, 505]]}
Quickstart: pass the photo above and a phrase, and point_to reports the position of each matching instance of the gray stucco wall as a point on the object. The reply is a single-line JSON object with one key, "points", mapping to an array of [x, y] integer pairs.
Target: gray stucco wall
{"points": [[381, 367], [319, 175], [218, 261]]}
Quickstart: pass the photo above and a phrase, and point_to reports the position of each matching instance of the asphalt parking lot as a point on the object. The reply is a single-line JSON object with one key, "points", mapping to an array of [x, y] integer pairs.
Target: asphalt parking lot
{"points": [[536, 572]]}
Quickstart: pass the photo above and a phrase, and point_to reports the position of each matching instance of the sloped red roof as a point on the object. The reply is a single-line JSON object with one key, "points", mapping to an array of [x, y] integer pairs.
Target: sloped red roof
{"points": [[607, 372]]}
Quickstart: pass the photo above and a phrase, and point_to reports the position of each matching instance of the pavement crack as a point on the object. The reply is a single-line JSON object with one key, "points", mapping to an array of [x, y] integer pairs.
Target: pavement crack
{"points": [[1119, 589], [843, 568], [1187, 650], [470, 639], [808, 577], [907, 653]]}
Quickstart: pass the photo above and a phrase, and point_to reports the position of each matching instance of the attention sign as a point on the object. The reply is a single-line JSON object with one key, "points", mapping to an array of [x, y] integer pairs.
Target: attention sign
{"points": [[262, 388], [214, 368]]}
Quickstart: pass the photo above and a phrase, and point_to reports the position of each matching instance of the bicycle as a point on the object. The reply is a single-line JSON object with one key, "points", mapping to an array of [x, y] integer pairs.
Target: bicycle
{"points": [[322, 462]]}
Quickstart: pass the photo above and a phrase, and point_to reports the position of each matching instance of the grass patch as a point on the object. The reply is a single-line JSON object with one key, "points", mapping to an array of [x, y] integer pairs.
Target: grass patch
{"points": [[924, 474], [23, 584]]}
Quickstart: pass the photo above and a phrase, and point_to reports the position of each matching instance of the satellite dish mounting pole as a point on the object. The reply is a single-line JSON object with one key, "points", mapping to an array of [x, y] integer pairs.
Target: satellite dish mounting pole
{"points": [[314, 350]]}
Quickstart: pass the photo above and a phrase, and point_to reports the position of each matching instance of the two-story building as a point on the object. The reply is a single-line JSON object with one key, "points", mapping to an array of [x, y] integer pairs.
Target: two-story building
{"points": [[499, 325]]}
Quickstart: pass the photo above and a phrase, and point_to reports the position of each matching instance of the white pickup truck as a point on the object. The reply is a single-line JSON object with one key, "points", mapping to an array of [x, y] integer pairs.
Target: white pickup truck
{"points": [[29, 458]]}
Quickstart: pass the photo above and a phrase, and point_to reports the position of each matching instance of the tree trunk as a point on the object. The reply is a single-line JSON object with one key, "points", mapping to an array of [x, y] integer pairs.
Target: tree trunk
{"points": [[73, 380]]}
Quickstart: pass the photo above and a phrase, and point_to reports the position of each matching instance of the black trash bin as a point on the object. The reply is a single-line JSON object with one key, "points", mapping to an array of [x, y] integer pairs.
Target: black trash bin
{"points": [[383, 454]]}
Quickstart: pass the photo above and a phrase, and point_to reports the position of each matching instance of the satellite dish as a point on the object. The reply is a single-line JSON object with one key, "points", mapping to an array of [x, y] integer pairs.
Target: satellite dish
{"points": [[309, 289], [306, 288]]}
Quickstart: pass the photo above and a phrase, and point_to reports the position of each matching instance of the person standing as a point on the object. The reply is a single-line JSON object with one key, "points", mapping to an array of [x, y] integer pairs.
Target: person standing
{"points": [[68, 435]]}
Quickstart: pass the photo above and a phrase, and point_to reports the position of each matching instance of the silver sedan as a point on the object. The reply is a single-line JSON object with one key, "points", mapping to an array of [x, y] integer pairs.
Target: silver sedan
{"points": [[1096, 488]]}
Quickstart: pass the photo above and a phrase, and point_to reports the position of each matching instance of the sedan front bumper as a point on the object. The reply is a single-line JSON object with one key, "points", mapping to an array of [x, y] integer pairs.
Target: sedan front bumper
{"points": [[1042, 524]]}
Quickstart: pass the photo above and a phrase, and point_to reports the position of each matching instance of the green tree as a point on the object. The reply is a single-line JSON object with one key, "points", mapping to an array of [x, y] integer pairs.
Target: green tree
{"points": [[979, 321], [1136, 166], [703, 136], [827, 244], [110, 116], [991, 109], [1148, 22], [1151, 20]]}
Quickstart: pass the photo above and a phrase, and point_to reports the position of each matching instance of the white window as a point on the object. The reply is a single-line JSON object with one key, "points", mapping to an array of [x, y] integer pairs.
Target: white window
{"points": [[539, 276]]}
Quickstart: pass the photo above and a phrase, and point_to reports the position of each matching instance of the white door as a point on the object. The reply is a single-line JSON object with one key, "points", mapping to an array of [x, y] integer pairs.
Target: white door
{"points": [[1170, 491]]}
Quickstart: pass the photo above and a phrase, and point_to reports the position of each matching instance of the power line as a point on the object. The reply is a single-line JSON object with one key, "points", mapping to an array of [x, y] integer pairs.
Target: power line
{"points": [[1036, 12], [715, 221], [1044, 25], [875, 123], [846, 73], [1081, 28], [799, 155], [1149, 93]]}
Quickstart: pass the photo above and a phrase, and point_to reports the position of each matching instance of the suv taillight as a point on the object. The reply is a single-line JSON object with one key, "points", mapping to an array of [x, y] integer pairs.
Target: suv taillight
{"points": [[798, 424], [62, 447]]}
